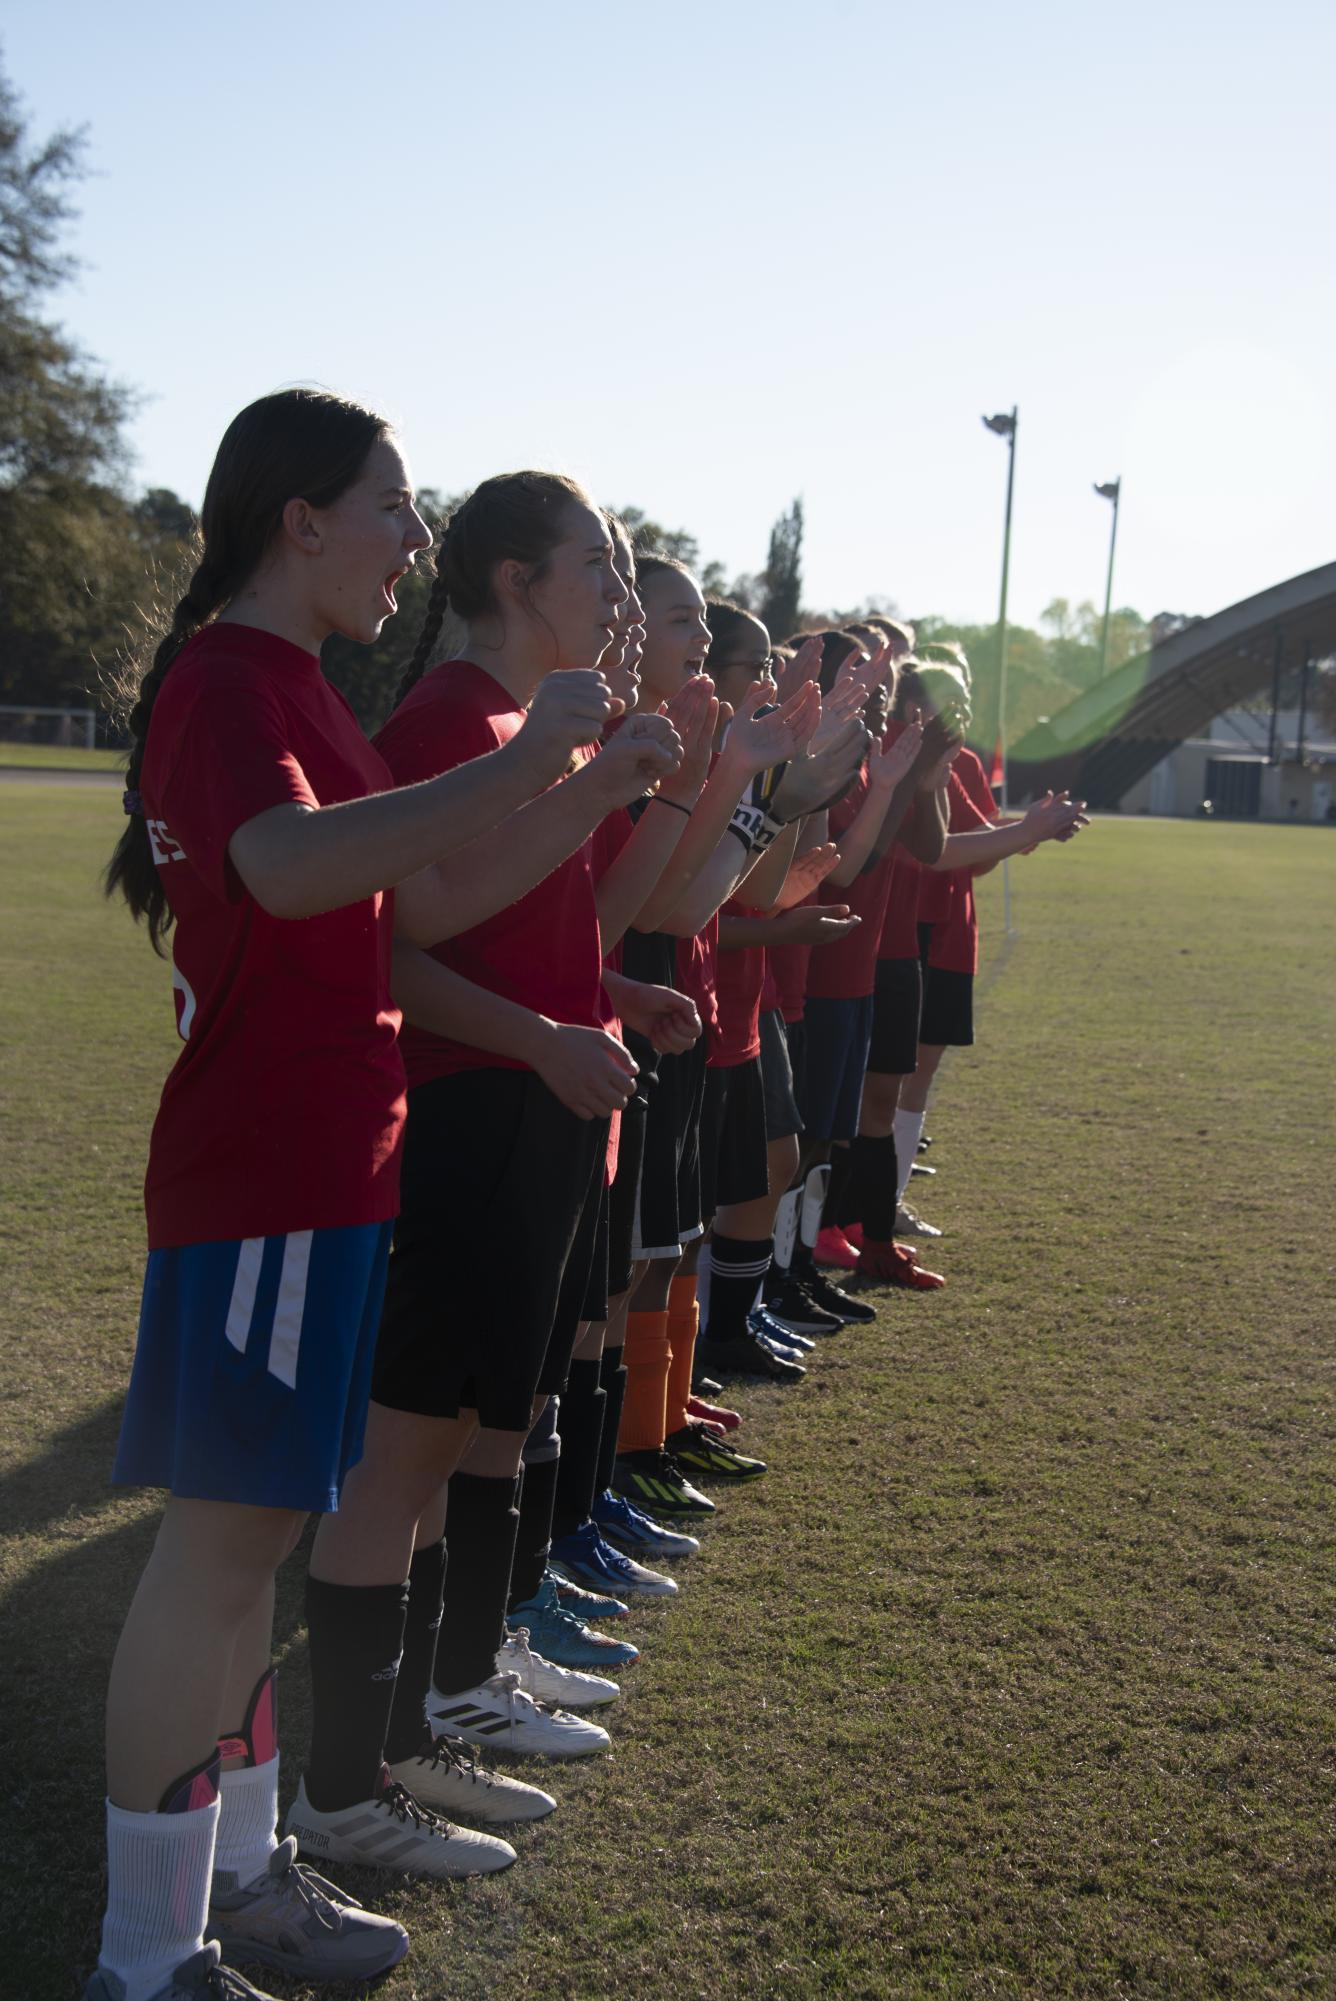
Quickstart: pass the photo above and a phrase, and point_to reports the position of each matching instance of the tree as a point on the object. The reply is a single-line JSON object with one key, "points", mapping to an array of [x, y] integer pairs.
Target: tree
{"points": [[69, 541], [651, 538], [783, 580]]}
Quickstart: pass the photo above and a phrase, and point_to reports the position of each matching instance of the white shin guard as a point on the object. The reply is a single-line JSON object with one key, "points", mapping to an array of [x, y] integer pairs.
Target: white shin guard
{"points": [[786, 1228], [813, 1203]]}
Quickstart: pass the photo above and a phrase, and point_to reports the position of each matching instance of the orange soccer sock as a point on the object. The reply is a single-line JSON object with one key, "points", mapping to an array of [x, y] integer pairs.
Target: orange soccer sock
{"points": [[645, 1356], [683, 1327]]}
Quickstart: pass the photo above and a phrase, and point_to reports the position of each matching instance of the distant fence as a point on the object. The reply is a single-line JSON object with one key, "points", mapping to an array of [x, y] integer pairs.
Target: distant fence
{"points": [[31, 723]]}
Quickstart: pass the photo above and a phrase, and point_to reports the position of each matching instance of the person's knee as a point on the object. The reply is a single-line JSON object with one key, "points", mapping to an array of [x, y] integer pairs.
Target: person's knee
{"points": [[228, 1551], [544, 1441]]}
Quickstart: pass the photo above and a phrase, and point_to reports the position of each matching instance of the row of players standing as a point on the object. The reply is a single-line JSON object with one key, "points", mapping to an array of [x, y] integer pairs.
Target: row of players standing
{"points": [[530, 864]]}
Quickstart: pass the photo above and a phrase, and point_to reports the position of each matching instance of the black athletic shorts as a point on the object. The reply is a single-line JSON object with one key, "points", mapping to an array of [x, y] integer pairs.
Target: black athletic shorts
{"points": [[948, 1008], [668, 1208], [734, 1165], [625, 1187], [897, 1002], [947, 1021], [499, 1182], [782, 1119]]}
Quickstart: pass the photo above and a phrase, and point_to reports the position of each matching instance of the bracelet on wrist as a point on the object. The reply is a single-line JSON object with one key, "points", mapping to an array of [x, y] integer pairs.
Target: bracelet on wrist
{"points": [[657, 799]]}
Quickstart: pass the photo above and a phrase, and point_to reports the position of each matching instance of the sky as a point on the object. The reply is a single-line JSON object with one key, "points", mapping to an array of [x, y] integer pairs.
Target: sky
{"points": [[715, 256]]}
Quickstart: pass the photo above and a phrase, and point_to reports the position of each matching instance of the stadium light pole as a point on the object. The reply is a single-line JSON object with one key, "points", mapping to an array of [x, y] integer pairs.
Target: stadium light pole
{"points": [[1004, 426], [1110, 490]]}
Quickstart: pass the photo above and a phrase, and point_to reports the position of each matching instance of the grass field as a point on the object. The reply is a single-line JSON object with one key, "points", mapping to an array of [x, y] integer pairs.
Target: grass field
{"points": [[1015, 1675], [59, 757]]}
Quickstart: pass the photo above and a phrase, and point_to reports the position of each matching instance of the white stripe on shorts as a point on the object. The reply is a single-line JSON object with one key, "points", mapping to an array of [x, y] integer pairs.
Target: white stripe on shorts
{"points": [[286, 1337], [242, 1306]]}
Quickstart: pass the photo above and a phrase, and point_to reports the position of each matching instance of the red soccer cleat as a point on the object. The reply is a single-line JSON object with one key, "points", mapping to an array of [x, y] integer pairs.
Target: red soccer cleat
{"points": [[714, 1415], [832, 1247], [852, 1234], [895, 1264]]}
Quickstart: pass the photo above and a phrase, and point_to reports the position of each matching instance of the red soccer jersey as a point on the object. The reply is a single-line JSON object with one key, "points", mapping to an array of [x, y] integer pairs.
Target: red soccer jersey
{"points": [[285, 1109], [847, 969], [739, 979], [542, 952], [955, 939], [697, 976]]}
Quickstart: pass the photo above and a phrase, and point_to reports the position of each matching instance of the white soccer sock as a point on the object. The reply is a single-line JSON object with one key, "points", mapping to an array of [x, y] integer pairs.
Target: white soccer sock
{"points": [[908, 1126], [248, 1822], [159, 1867]]}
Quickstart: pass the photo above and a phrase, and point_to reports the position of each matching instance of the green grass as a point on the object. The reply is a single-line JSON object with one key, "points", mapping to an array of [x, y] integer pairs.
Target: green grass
{"points": [[59, 757], [1014, 1676]]}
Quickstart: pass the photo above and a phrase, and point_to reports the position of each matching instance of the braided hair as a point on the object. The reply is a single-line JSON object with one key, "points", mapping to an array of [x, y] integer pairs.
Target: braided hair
{"points": [[512, 517], [299, 442]]}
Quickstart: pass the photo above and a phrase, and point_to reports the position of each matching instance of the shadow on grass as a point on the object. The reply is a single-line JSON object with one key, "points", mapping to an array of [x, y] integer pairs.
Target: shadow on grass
{"points": [[83, 1545]]}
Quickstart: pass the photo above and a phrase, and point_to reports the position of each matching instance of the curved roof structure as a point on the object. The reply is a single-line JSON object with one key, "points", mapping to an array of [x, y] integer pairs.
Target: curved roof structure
{"points": [[1115, 732]]}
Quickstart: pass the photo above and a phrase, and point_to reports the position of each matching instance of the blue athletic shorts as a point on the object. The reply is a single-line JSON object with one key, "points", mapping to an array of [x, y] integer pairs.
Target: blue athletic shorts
{"points": [[253, 1368], [837, 1034]]}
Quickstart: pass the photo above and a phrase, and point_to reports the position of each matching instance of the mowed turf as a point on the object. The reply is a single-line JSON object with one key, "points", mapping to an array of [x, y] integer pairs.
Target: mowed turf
{"points": [[1015, 1675]]}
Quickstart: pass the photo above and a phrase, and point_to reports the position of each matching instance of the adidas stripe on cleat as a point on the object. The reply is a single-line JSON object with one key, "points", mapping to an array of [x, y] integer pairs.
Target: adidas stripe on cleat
{"points": [[588, 1557], [654, 1480], [695, 1448], [395, 1831], [499, 1715], [619, 1521]]}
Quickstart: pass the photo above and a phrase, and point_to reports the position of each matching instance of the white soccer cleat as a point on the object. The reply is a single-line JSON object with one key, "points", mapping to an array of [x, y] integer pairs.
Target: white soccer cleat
{"points": [[447, 1778], [500, 1715], [545, 1681], [909, 1224], [395, 1831]]}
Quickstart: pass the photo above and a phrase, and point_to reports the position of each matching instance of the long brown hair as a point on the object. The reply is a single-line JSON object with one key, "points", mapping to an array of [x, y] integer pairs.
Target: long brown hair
{"points": [[512, 517], [299, 443]]}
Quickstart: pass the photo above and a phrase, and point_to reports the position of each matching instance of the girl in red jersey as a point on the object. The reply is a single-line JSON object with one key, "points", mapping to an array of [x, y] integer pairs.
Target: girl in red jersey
{"points": [[512, 1078], [750, 1126], [895, 1097], [894, 807], [595, 1529], [737, 827], [948, 930], [267, 829]]}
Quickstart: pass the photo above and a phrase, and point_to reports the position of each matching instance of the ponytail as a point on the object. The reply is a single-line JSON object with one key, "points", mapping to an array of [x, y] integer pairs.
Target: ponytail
{"points": [[132, 870], [515, 516], [297, 443], [437, 605]]}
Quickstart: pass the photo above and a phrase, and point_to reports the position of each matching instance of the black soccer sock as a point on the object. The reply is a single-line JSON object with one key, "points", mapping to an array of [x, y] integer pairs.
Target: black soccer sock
{"points": [[833, 1210], [480, 1525], [356, 1638], [737, 1267], [426, 1589], [535, 1530], [583, 1410], [870, 1198], [612, 1376]]}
